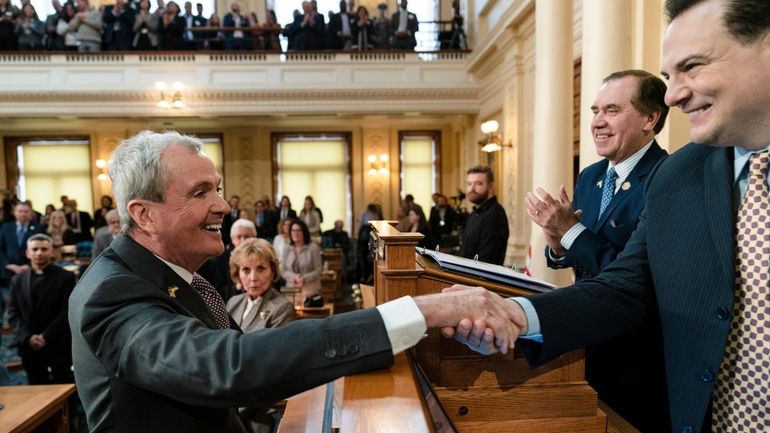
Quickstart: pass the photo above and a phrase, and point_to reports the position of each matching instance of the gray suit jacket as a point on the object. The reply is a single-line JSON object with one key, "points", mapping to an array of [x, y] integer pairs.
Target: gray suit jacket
{"points": [[681, 257], [148, 355], [272, 311]]}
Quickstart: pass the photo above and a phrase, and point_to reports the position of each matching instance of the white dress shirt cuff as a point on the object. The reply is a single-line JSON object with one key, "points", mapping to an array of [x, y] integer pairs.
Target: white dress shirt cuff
{"points": [[404, 323], [569, 238]]}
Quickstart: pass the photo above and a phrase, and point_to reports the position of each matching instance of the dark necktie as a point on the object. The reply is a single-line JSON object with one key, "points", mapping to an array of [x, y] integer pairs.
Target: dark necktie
{"points": [[212, 299], [741, 398], [608, 190]]}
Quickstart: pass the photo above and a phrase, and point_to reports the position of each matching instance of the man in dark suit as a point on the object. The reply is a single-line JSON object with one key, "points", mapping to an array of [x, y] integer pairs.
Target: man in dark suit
{"points": [[485, 236], [13, 239], [230, 217], [118, 21], [308, 29], [705, 214], [340, 33], [442, 220], [404, 25], [154, 349], [38, 315], [629, 111], [80, 222]]}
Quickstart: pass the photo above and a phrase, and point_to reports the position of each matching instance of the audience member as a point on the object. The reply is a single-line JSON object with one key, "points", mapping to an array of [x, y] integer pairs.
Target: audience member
{"points": [[301, 265], [105, 234], [171, 28], [87, 26], [60, 232], [215, 39], [100, 214], [285, 211], [29, 29], [363, 32], [8, 14], [337, 237], [230, 217], [38, 315], [442, 220], [485, 236], [80, 222], [118, 22], [49, 209], [239, 37], [308, 29], [404, 25], [216, 270], [68, 36], [145, 28], [418, 224], [282, 240], [270, 32], [340, 33], [13, 238], [312, 217], [381, 28], [192, 40], [266, 221], [53, 41]]}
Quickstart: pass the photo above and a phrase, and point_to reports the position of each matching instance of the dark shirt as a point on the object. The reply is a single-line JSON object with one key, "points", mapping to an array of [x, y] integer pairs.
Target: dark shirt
{"points": [[486, 233]]}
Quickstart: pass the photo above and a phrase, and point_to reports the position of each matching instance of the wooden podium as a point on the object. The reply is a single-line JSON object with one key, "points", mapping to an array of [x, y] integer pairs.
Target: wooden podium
{"points": [[478, 394]]}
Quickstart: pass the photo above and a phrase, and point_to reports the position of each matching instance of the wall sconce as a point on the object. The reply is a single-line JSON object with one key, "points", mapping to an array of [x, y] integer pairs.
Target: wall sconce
{"points": [[170, 98], [378, 164], [494, 140], [102, 166]]}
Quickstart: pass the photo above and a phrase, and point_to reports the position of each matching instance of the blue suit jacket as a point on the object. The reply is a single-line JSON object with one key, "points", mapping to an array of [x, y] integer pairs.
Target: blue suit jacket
{"points": [[598, 246], [609, 365], [682, 259], [10, 250]]}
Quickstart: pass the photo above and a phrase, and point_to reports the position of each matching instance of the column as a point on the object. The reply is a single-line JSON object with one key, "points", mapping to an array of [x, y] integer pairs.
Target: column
{"points": [[552, 147], [606, 46]]}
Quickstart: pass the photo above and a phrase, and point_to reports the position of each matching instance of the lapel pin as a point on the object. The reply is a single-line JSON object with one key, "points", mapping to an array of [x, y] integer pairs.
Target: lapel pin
{"points": [[172, 291], [626, 185], [599, 184]]}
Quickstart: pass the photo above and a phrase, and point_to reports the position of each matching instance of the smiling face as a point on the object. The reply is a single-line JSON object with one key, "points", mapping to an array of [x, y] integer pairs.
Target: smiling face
{"points": [[184, 229], [255, 275], [719, 83], [619, 130]]}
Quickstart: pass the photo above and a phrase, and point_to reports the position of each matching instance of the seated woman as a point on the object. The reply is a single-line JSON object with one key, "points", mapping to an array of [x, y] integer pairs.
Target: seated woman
{"points": [[301, 265], [60, 232], [254, 268]]}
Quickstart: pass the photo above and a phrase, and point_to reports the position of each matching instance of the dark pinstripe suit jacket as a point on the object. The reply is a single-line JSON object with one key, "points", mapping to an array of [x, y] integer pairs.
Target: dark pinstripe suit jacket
{"points": [[682, 258]]}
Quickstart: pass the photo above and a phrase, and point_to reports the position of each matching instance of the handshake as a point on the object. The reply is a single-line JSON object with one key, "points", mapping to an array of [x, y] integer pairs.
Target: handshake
{"points": [[474, 316]]}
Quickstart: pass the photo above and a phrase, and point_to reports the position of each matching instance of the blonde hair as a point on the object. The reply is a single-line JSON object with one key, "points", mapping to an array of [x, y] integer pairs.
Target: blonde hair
{"points": [[253, 247]]}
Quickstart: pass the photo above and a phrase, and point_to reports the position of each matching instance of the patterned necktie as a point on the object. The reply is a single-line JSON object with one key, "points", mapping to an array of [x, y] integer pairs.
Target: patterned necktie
{"points": [[212, 299], [608, 190], [741, 400]]}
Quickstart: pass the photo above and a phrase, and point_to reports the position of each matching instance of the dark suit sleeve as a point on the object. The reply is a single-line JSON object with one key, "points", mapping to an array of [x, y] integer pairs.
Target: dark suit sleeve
{"points": [[578, 316], [136, 334], [58, 327], [15, 318]]}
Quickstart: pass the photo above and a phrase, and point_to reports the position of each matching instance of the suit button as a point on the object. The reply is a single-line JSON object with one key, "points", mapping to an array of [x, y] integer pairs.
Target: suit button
{"points": [[723, 313], [330, 353], [353, 348], [687, 429], [706, 375]]}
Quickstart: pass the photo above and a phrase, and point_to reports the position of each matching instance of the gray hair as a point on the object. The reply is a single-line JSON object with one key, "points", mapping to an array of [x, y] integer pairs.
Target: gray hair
{"points": [[111, 213], [243, 223], [137, 173]]}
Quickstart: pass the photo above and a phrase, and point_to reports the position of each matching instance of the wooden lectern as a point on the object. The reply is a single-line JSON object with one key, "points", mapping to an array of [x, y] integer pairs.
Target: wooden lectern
{"points": [[478, 394]]}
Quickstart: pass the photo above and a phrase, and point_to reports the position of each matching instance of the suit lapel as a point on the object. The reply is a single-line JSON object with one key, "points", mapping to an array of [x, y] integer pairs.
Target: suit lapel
{"points": [[634, 180], [155, 272], [718, 206]]}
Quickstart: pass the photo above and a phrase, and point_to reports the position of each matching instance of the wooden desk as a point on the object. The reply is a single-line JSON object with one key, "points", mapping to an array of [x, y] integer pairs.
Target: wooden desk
{"points": [[35, 408]]}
